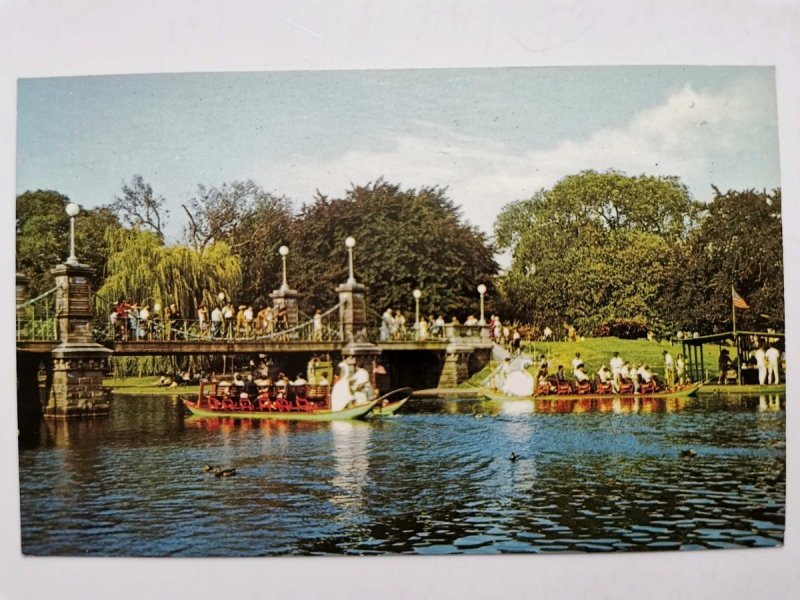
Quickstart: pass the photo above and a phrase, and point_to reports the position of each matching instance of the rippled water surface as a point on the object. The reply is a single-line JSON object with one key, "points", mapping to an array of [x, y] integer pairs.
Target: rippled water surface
{"points": [[436, 479]]}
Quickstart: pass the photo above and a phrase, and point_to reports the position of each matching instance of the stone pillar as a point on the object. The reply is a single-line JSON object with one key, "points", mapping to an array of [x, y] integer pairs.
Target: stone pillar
{"points": [[78, 361], [22, 288], [456, 365], [288, 298], [352, 312]]}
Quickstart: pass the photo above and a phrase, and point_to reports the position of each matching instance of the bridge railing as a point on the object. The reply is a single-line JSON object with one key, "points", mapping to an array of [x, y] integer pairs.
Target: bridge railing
{"points": [[36, 318], [135, 329], [409, 331]]}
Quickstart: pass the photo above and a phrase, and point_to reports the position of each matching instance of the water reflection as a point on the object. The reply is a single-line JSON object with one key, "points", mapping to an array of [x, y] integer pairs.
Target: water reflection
{"points": [[591, 475]]}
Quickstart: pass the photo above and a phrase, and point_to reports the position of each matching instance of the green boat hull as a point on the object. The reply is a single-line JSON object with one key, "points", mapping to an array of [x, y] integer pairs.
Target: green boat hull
{"points": [[389, 409], [683, 392], [347, 414], [713, 388]]}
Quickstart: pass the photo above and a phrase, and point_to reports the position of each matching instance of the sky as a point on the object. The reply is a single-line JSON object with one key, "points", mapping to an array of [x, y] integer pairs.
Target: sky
{"points": [[491, 135]]}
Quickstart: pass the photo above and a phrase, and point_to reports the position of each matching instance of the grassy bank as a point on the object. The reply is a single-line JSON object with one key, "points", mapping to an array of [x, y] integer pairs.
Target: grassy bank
{"points": [[596, 352], [145, 386]]}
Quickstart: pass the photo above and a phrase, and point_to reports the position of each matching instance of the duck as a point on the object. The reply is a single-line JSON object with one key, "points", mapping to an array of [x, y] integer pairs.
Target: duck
{"points": [[207, 468], [219, 472], [689, 453], [513, 457]]}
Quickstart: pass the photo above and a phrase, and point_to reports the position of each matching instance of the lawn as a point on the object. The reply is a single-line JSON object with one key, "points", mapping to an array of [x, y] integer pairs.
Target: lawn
{"points": [[596, 352], [145, 386]]}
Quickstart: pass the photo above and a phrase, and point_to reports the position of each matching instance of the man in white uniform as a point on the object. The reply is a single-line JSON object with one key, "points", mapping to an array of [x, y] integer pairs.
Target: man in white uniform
{"points": [[761, 363], [773, 356]]}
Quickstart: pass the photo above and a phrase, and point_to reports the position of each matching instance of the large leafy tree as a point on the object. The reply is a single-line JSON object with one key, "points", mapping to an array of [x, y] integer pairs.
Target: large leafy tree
{"points": [[252, 222], [591, 249], [406, 239], [142, 269], [42, 230], [739, 245]]}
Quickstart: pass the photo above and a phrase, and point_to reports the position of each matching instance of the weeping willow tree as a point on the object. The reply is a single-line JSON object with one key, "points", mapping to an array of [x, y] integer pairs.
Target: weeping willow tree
{"points": [[142, 269]]}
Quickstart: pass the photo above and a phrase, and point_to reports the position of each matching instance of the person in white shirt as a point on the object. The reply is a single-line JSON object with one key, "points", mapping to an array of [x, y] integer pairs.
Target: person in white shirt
{"points": [[773, 356], [680, 369], [576, 363], [580, 375], [761, 358], [216, 321], [616, 363], [669, 370]]}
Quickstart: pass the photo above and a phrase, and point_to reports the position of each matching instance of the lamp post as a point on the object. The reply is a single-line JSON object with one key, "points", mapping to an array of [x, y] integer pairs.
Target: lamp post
{"points": [[417, 295], [284, 252], [350, 242], [482, 291], [72, 210]]}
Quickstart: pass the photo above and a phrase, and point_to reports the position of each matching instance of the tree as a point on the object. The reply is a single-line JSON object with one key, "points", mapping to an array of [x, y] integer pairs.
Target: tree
{"points": [[142, 269], [139, 207], [252, 222], [42, 230], [406, 239], [590, 250], [739, 245]]}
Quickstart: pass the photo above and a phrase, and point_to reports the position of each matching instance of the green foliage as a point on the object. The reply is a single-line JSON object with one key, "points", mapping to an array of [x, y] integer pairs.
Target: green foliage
{"points": [[592, 249], [405, 239], [739, 245], [252, 222], [141, 268], [42, 228]]}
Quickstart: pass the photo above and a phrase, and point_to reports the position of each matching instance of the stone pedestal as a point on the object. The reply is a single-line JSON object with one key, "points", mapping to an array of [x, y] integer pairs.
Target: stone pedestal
{"points": [[22, 288], [352, 312], [78, 361], [456, 365], [287, 297]]}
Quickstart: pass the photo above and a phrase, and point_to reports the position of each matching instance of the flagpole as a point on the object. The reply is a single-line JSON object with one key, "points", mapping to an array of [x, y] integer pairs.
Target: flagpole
{"points": [[736, 341]]}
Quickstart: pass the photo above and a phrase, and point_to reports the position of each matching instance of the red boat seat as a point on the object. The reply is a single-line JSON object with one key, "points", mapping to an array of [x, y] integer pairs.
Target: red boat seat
{"points": [[648, 388], [282, 404], [264, 403], [563, 388], [625, 388], [583, 388], [227, 404], [213, 403], [604, 388], [245, 404], [303, 404]]}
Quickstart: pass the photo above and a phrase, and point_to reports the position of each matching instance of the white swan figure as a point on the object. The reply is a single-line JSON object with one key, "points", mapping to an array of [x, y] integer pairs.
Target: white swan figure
{"points": [[341, 395]]}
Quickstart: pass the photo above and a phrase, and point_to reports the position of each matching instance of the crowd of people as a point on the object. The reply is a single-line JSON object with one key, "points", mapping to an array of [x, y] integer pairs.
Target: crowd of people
{"points": [[618, 376], [132, 321]]}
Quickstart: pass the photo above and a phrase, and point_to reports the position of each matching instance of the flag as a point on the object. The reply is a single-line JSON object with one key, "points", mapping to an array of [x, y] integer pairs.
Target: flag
{"points": [[738, 301]]}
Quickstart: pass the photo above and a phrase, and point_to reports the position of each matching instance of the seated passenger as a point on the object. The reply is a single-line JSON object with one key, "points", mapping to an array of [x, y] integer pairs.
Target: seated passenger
{"points": [[582, 380]]}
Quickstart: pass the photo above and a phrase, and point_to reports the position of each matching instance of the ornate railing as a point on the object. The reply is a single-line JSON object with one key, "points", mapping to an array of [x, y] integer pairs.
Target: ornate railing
{"points": [[36, 318], [156, 328]]}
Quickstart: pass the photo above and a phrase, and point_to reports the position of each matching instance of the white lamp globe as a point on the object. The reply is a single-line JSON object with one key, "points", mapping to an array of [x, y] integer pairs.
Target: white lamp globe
{"points": [[283, 250], [72, 209], [481, 289], [350, 241], [417, 294]]}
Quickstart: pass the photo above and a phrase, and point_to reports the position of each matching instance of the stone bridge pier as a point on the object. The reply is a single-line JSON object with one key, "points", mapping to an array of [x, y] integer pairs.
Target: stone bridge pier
{"points": [[78, 361]]}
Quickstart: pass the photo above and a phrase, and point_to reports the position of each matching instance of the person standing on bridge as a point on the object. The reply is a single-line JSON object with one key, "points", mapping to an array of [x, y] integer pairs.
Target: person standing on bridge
{"points": [[317, 327], [216, 322], [387, 325], [202, 319]]}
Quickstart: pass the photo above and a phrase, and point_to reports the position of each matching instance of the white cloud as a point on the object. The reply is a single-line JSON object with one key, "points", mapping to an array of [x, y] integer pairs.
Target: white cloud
{"points": [[700, 137]]}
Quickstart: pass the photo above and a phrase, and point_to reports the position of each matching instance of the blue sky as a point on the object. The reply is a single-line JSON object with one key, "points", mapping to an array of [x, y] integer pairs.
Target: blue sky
{"points": [[490, 135]]}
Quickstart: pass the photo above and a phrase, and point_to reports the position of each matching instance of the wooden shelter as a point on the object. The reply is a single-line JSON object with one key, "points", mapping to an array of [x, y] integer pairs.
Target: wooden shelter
{"points": [[743, 343]]}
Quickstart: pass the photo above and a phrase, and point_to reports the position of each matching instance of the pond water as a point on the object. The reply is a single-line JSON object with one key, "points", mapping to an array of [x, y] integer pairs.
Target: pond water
{"points": [[436, 479]]}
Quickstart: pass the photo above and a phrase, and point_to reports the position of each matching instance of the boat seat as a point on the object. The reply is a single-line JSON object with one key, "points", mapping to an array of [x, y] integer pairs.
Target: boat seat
{"points": [[626, 388], [282, 404], [604, 388], [264, 402], [227, 404], [213, 403], [648, 388], [245, 404], [563, 388], [583, 388], [303, 405]]}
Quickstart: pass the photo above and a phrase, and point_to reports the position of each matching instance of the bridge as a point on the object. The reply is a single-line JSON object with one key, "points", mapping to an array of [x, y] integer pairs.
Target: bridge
{"points": [[65, 332]]}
